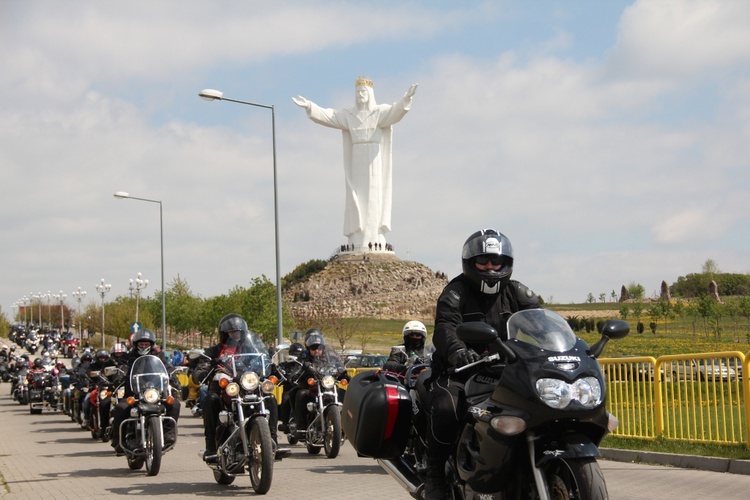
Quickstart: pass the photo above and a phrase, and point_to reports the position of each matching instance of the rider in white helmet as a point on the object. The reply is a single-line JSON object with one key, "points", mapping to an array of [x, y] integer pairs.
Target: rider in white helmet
{"points": [[412, 351]]}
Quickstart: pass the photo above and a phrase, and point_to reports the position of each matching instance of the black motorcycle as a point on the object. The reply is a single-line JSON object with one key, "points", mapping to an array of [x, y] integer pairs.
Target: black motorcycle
{"points": [[322, 426], [536, 415], [142, 434], [243, 435]]}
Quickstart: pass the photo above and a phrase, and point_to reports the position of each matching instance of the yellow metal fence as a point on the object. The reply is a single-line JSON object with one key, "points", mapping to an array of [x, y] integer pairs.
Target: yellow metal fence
{"points": [[693, 397]]}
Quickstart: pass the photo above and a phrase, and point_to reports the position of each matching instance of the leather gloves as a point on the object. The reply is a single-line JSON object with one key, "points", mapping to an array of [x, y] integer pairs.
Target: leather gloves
{"points": [[462, 357]]}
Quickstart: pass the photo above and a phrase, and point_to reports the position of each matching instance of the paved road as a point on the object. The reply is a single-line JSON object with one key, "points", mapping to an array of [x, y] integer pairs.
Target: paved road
{"points": [[47, 456]]}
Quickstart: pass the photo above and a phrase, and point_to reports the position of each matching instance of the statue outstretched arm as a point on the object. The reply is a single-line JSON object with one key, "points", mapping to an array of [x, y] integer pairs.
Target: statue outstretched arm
{"points": [[412, 90], [301, 102]]}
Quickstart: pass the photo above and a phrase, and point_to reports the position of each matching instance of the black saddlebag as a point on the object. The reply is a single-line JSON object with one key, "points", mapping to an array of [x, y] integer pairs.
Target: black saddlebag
{"points": [[376, 415]]}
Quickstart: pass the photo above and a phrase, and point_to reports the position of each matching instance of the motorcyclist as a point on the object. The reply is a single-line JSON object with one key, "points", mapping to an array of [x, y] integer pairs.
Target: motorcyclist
{"points": [[118, 353], [102, 359], [144, 343], [291, 369], [4, 354], [316, 356], [234, 338], [483, 292], [413, 348]]}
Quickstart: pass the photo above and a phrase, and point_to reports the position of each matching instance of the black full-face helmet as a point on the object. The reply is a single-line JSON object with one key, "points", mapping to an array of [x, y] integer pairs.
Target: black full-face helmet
{"points": [[232, 323], [486, 245], [143, 335], [296, 349], [86, 358], [38, 363], [101, 356]]}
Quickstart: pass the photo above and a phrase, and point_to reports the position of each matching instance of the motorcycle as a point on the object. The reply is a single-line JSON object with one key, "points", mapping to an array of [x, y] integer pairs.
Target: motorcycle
{"points": [[69, 346], [20, 385], [536, 415], [4, 371], [243, 435], [31, 343], [110, 391], [44, 391], [142, 434], [322, 428]]}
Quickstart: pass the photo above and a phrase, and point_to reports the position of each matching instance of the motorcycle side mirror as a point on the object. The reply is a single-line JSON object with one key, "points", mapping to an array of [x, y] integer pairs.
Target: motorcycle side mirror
{"points": [[94, 374], [291, 357], [612, 329], [477, 332], [110, 370]]}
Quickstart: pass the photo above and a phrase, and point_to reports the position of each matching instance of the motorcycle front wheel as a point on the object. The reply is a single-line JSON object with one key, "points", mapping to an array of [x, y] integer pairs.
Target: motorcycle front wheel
{"points": [[332, 435], [260, 463], [579, 478], [153, 445]]}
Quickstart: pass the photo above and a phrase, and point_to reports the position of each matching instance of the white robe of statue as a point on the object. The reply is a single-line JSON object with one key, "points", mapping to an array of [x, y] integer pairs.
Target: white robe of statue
{"points": [[367, 130]]}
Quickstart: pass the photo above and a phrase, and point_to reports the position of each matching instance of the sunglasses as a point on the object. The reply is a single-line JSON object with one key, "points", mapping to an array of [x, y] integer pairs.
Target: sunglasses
{"points": [[495, 260], [316, 347]]}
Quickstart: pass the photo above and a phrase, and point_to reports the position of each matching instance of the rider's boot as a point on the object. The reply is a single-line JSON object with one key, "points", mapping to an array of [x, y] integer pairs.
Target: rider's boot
{"points": [[435, 485]]}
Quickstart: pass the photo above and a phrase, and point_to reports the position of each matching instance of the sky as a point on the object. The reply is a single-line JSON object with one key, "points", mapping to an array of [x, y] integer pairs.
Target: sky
{"points": [[609, 141]]}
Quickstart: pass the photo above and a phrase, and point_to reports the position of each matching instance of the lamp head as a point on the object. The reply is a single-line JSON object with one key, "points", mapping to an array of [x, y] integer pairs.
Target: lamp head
{"points": [[122, 194], [211, 94]]}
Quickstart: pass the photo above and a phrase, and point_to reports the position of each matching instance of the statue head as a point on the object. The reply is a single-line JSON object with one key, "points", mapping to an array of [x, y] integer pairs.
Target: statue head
{"points": [[364, 95]]}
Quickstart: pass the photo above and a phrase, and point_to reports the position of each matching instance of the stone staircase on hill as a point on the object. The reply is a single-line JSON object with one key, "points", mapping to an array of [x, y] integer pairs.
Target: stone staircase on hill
{"points": [[375, 284]]}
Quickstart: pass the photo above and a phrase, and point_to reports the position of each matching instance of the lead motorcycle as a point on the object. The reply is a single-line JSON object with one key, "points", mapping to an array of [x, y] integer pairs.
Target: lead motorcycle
{"points": [[142, 434], [536, 415], [243, 435]]}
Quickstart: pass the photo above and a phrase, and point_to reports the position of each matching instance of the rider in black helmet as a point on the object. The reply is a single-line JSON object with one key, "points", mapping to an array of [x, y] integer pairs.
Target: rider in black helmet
{"points": [[291, 368], [144, 344], [483, 292], [234, 337]]}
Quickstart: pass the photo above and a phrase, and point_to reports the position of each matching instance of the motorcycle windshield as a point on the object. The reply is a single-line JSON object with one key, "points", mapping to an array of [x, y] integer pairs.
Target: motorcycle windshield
{"points": [[541, 328], [328, 362], [149, 372], [258, 362]]}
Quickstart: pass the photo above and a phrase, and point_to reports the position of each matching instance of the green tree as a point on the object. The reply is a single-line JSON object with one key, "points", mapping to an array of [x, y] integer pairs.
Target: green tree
{"points": [[636, 291], [590, 298], [602, 297], [710, 267], [183, 307]]}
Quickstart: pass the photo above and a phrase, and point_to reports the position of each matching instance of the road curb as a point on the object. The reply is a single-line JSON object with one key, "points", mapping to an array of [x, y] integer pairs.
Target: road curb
{"points": [[713, 464]]}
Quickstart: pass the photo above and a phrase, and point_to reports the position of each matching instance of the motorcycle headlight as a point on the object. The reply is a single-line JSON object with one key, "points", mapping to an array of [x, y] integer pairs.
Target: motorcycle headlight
{"points": [[120, 392], [328, 382], [249, 381], [559, 394], [267, 386], [151, 395], [588, 392], [232, 389], [103, 395]]}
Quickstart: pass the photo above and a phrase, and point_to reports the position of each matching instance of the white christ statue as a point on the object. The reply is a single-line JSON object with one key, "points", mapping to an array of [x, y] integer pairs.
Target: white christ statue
{"points": [[367, 129]]}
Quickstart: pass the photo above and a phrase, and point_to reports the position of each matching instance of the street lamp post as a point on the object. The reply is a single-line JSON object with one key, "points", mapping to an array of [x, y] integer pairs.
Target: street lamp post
{"points": [[137, 285], [25, 302], [79, 294], [61, 298], [49, 297], [123, 195], [217, 95], [103, 288], [39, 297]]}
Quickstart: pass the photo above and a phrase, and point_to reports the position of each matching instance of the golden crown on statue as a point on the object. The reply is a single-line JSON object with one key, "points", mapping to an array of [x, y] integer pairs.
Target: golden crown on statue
{"points": [[363, 81]]}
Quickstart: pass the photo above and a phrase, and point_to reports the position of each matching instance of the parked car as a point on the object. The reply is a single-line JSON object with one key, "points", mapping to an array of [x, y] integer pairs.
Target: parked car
{"points": [[364, 361], [710, 369]]}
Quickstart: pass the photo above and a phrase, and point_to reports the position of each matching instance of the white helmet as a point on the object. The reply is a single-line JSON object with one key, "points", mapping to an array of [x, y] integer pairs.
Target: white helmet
{"points": [[414, 326], [409, 330]]}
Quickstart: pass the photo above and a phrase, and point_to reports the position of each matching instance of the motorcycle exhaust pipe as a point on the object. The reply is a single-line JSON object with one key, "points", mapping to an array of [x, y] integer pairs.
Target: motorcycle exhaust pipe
{"points": [[404, 474]]}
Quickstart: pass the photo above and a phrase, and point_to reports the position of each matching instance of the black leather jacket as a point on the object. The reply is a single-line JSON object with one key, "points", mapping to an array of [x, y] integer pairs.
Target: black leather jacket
{"points": [[459, 303]]}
